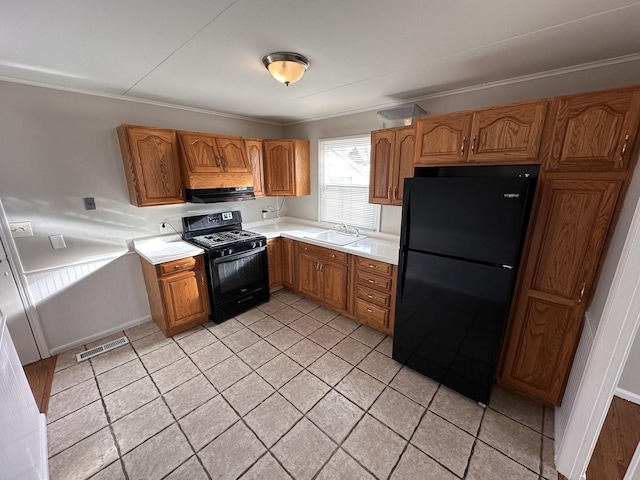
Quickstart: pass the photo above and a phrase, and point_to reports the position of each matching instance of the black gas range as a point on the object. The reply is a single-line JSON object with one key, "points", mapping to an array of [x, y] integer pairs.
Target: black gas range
{"points": [[236, 262]]}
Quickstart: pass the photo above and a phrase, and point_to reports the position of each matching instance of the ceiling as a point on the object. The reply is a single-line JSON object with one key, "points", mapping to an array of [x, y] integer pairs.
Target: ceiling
{"points": [[364, 54]]}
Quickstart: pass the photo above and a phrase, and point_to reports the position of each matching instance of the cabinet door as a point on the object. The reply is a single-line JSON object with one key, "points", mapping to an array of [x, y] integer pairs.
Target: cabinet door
{"points": [[380, 184], [335, 285], [442, 139], [593, 132], [404, 149], [309, 276], [233, 154], [288, 265], [275, 262], [568, 239], [512, 133], [278, 168], [254, 155], [185, 297], [201, 153], [155, 166]]}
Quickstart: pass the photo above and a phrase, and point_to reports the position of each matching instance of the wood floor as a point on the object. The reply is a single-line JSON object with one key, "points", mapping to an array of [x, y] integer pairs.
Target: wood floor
{"points": [[617, 441], [40, 377]]}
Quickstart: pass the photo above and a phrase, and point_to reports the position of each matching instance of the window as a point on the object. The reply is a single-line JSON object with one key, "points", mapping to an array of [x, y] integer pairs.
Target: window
{"points": [[343, 171]]}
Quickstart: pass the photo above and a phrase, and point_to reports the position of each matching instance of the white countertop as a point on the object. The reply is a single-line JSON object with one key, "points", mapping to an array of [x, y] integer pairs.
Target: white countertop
{"points": [[165, 248], [384, 250]]}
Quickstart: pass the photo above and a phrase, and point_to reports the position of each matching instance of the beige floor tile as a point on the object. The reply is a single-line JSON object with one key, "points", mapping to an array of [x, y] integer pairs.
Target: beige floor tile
{"points": [[72, 399], [158, 456], [142, 330], [326, 336], [368, 336], [150, 343], [322, 314], [397, 412], [127, 399], [196, 341], [250, 316], [119, 377], [211, 355], [303, 450], [189, 396], [272, 306], [288, 297], [375, 446], [386, 346], [279, 370], [85, 458], [248, 393], [343, 467], [444, 442], [305, 305], [361, 388], [330, 368], [258, 354], [231, 453], [191, 331], [272, 419], [226, 328], [68, 359], [304, 391], [111, 472], [512, 438], [549, 424], [517, 407], [177, 373], [335, 415], [70, 376], [76, 426], [216, 414], [458, 409], [343, 324], [265, 326], [305, 325], [189, 470], [414, 385], [162, 357], [227, 373], [416, 465], [351, 350], [240, 340], [487, 462], [284, 338], [142, 424], [266, 468], [112, 358], [548, 464], [305, 352], [380, 366]]}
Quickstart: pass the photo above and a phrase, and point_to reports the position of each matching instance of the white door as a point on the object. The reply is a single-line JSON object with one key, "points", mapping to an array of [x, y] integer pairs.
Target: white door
{"points": [[11, 305]]}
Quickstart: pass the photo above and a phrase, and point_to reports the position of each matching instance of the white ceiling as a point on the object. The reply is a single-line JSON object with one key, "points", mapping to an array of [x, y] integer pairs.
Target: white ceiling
{"points": [[364, 54]]}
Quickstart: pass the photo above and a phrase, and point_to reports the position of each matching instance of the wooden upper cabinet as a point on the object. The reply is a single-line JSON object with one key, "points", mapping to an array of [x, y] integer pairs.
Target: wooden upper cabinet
{"points": [[253, 147], [442, 139], [286, 167], [214, 154], [233, 154], [512, 133], [569, 232], [592, 132], [403, 167], [392, 153], [152, 165]]}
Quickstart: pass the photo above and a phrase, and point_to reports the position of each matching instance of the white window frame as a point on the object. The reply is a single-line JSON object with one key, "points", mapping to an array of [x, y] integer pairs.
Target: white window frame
{"points": [[377, 209]]}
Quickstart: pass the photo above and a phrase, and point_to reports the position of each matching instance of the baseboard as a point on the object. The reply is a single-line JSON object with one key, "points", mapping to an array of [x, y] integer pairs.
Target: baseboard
{"points": [[627, 395], [44, 451], [99, 335]]}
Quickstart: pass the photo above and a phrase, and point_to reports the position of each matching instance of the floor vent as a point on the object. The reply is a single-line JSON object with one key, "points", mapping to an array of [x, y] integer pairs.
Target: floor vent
{"points": [[102, 348]]}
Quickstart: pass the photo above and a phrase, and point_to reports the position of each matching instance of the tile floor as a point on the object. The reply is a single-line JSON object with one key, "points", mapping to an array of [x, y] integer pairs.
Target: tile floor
{"points": [[286, 390]]}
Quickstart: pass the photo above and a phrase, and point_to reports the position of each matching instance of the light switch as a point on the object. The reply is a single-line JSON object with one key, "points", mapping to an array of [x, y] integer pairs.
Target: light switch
{"points": [[21, 229], [57, 241]]}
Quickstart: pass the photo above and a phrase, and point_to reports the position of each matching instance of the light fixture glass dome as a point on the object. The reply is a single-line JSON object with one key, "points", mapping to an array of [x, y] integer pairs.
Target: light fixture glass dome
{"points": [[286, 67]]}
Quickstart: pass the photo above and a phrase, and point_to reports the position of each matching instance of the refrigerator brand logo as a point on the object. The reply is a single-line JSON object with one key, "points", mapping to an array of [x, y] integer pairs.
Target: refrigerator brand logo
{"points": [[511, 195]]}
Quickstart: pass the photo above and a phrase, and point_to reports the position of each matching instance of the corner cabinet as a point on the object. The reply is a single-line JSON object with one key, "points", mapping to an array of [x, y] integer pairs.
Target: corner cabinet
{"points": [[323, 274], [392, 153], [177, 292], [151, 164], [286, 167]]}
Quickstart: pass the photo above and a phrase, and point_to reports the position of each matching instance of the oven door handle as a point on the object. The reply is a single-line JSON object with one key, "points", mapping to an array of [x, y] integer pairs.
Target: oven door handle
{"points": [[236, 256]]}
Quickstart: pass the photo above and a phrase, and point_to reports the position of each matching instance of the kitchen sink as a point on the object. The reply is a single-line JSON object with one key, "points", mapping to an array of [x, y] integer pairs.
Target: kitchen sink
{"points": [[335, 238]]}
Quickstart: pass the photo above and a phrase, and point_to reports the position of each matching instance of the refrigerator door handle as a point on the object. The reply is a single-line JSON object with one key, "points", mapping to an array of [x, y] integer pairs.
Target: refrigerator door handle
{"points": [[508, 267], [403, 274]]}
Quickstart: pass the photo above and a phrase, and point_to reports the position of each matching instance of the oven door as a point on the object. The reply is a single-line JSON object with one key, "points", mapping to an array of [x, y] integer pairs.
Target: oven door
{"points": [[238, 275]]}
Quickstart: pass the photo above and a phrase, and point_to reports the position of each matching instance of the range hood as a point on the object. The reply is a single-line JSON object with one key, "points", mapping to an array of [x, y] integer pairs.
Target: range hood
{"points": [[213, 195]]}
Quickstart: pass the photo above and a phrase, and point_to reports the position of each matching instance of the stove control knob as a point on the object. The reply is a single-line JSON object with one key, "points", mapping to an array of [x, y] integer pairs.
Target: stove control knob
{"points": [[229, 251], [255, 244]]}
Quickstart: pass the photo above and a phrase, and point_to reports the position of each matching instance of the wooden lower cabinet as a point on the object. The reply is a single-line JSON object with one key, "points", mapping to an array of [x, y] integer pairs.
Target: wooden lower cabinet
{"points": [[177, 292], [288, 262], [374, 293], [274, 259], [323, 274]]}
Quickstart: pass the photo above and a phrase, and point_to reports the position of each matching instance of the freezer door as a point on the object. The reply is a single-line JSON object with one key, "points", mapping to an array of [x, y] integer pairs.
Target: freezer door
{"points": [[477, 218], [450, 317]]}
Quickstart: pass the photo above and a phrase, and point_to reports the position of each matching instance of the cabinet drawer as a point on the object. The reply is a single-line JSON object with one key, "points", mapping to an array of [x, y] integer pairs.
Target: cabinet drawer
{"points": [[373, 281], [369, 265], [372, 296], [188, 263], [324, 253], [371, 313]]}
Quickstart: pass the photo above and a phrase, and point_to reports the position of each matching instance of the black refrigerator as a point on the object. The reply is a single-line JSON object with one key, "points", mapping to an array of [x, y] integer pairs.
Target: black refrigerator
{"points": [[460, 243]]}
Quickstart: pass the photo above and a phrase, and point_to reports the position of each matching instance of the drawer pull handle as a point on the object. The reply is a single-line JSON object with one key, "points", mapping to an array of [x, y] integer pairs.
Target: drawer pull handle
{"points": [[371, 281], [333, 255], [624, 147], [584, 286], [369, 310], [473, 145], [201, 279], [464, 139], [184, 265], [371, 265], [370, 296]]}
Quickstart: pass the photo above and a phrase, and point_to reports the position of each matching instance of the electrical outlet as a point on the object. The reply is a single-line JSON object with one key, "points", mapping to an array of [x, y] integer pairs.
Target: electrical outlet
{"points": [[21, 229], [89, 203], [264, 214], [163, 227]]}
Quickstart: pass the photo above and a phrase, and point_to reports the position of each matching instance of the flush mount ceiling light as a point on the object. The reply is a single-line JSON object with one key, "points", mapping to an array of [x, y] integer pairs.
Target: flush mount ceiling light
{"points": [[286, 67]]}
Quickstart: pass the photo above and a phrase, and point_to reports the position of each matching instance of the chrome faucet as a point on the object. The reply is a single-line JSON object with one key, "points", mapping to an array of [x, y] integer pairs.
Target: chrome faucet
{"points": [[341, 227]]}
